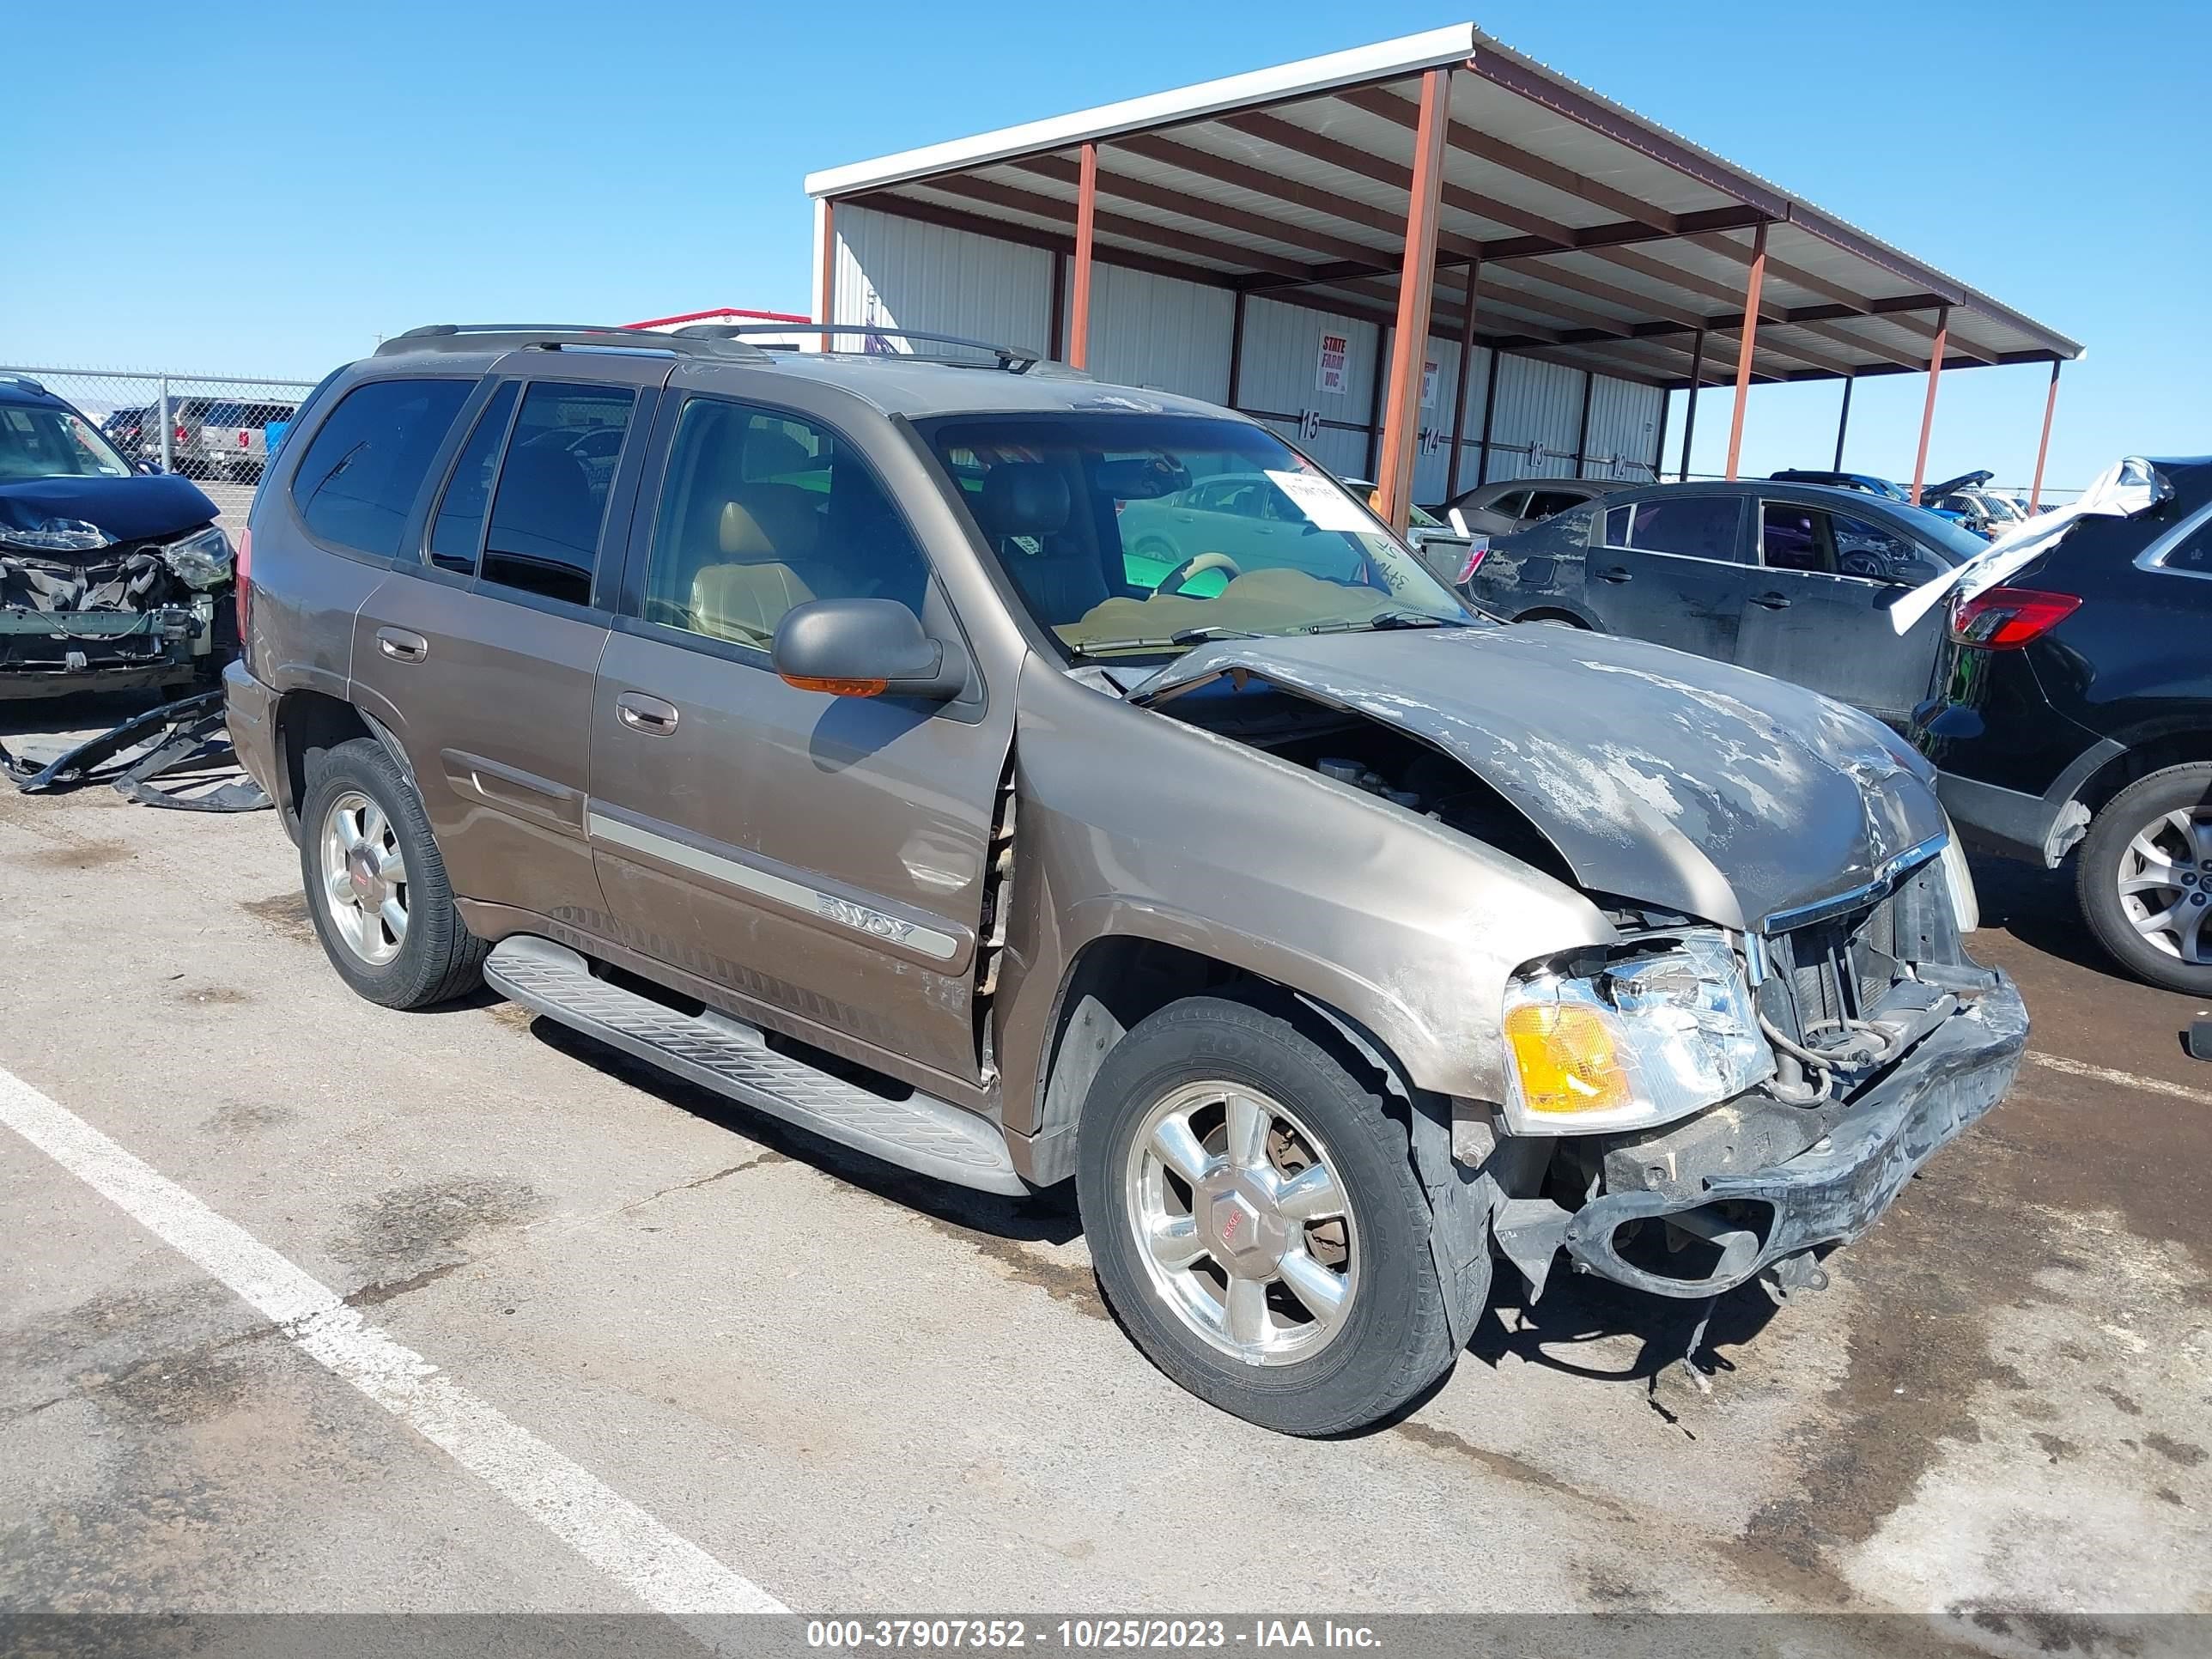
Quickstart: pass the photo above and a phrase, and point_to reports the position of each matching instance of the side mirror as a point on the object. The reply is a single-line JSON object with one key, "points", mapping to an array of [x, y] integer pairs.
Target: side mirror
{"points": [[866, 648]]}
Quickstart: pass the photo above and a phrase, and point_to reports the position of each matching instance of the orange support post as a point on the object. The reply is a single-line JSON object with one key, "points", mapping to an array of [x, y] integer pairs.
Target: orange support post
{"points": [[2043, 449], [1459, 389], [1748, 339], [1416, 288], [1086, 209], [1928, 410]]}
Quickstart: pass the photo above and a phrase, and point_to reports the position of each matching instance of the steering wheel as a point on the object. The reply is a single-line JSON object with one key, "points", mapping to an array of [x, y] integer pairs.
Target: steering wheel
{"points": [[1195, 565], [1860, 562]]}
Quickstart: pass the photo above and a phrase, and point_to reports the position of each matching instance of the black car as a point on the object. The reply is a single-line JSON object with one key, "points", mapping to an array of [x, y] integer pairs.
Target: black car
{"points": [[2076, 708], [1795, 580], [111, 577]]}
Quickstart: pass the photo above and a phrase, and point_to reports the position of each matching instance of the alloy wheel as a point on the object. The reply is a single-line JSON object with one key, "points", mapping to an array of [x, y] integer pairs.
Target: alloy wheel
{"points": [[2165, 883], [364, 878], [1242, 1223]]}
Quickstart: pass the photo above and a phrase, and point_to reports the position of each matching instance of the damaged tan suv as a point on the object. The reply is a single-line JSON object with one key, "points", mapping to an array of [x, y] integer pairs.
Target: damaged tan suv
{"points": [[801, 723]]}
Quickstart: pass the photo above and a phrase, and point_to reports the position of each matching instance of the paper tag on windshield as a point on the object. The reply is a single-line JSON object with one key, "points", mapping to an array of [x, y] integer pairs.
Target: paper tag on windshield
{"points": [[1323, 503]]}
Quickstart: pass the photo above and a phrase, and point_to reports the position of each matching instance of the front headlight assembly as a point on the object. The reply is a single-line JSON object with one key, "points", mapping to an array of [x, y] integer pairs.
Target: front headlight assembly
{"points": [[200, 560], [1659, 1031]]}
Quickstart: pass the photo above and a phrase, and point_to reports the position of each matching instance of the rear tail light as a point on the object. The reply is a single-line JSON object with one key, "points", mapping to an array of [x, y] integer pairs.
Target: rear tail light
{"points": [[241, 562], [1475, 554], [180, 435], [2005, 619]]}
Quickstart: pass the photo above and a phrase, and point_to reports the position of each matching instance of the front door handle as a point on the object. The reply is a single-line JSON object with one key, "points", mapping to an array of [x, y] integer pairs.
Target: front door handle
{"points": [[1616, 575], [642, 713], [1771, 601], [401, 646]]}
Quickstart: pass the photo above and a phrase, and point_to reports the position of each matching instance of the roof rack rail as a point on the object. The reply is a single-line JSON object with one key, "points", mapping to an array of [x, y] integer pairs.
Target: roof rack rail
{"points": [[1014, 360], [555, 337]]}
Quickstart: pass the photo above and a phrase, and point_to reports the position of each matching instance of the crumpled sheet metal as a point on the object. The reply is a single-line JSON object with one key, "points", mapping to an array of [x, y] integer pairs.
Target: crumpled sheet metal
{"points": [[187, 733], [2123, 489]]}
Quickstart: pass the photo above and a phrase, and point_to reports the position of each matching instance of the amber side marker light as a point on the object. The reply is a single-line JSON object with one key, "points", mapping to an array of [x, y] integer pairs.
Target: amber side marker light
{"points": [[838, 688]]}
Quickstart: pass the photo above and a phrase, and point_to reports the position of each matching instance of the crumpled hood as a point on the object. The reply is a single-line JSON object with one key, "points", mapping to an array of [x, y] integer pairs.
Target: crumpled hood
{"points": [[1660, 777], [146, 507]]}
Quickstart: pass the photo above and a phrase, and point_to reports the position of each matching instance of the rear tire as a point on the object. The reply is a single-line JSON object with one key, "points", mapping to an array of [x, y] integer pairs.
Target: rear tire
{"points": [[1347, 1322], [368, 862], [2149, 908]]}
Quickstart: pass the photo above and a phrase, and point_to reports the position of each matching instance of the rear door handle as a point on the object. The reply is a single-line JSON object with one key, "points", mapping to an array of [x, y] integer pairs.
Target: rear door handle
{"points": [[1616, 575], [1771, 601], [401, 646], [642, 713]]}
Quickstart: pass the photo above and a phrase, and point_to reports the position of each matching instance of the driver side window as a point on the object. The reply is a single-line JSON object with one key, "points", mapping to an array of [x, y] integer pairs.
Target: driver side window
{"points": [[761, 512]]}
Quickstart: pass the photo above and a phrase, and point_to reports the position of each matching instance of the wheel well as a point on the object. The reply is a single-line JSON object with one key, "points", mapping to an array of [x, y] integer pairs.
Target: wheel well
{"points": [[1567, 617], [309, 723], [2175, 748], [1118, 981], [1115, 983]]}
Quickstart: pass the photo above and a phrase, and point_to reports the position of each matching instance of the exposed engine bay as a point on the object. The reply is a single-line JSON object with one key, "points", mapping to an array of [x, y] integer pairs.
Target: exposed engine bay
{"points": [[79, 612], [1841, 1040]]}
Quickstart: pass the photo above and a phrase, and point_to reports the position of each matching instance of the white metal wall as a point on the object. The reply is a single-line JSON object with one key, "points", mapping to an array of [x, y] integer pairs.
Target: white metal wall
{"points": [[905, 274], [1159, 331], [1282, 372]]}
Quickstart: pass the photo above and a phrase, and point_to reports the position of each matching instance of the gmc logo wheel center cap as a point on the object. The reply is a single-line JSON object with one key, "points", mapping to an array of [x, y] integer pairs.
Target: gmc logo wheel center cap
{"points": [[1237, 1217]]}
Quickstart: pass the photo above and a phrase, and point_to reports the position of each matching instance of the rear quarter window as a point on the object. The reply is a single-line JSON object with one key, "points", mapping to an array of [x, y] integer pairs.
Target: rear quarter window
{"points": [[358, 481]]}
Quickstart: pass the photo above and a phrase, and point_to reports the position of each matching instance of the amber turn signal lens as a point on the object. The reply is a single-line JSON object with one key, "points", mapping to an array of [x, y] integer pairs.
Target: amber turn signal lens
{"points": [[839, 688], [1565, 1056]]}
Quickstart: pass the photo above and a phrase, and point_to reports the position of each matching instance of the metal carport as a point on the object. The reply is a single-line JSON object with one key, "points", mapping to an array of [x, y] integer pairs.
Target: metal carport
{"points": [[1444, 187]]}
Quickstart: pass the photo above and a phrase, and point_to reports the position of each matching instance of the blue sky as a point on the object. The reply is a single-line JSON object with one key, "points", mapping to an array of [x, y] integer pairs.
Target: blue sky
{"points": [[280, 184]]}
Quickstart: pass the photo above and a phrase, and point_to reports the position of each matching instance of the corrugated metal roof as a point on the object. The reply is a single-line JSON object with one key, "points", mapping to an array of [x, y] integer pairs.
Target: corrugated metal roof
{"points": [[1604, 238]]}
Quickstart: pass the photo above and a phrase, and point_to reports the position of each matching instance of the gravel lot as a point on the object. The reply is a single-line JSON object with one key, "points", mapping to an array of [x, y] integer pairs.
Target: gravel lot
{"points": [[863, 1393]]}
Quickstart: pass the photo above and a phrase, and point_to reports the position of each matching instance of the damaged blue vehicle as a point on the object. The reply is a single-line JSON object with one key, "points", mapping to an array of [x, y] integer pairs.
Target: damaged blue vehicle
{"points": [[111, 578]]}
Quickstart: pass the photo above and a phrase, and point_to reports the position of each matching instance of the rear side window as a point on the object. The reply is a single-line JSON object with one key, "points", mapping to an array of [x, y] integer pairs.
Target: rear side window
{"points": [[361, 473], [1695, 526], [457, 532], [552, 502], [1543, 504], [2195, 552]]}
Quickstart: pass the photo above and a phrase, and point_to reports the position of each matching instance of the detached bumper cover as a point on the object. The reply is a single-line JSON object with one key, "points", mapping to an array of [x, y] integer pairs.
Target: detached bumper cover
{"points": [[1838, 1188]]}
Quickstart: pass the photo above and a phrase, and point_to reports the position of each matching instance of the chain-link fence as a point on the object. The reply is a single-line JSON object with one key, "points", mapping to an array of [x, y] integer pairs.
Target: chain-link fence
{"points": [[218, 429]]}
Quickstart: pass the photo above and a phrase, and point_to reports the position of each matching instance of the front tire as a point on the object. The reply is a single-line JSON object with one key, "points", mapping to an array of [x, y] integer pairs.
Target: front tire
{"points": [[2144, 879], [376, 886], [1256, 1222]]}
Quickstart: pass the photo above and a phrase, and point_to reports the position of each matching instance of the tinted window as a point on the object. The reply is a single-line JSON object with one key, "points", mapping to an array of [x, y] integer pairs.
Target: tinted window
{"points": [[361, 475], [1699, 527], [2195, 552], [457, 532], [552, 499], [761, 512], [1542, 503], [1793, 538]]}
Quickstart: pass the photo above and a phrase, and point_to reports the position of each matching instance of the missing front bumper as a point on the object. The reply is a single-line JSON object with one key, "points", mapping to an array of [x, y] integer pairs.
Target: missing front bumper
{"points": [[1748, 1221]]}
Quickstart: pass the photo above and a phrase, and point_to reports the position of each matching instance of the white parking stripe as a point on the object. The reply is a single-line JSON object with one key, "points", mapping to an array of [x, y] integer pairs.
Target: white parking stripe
{"points": [[670, 1574], [2124, 1080]]}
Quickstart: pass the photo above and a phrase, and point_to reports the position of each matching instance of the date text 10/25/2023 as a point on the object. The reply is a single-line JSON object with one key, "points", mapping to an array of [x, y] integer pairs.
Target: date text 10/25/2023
{"points": [[1085, 1635]]}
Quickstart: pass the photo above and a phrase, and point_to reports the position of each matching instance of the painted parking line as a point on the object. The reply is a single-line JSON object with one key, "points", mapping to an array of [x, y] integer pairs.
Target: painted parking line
{"points": [[670, 1574], [2155, 1086]]}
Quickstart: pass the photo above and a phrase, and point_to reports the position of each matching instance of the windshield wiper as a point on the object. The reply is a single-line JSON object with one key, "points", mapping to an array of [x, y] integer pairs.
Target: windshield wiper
{"points": [[1385, 620], [1182, 639]]}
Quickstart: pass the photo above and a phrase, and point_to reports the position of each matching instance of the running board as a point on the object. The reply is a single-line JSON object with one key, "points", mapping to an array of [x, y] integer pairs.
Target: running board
{"points": [[929, 1136]]}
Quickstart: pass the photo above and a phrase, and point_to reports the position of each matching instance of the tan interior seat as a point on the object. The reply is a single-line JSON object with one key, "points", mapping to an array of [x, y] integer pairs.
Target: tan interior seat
{"points": [[743, 598]]}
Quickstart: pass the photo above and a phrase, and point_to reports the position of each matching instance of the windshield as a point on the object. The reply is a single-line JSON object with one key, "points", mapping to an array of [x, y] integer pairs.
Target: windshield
{"points": [[38, 441], [1127, 534]]}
